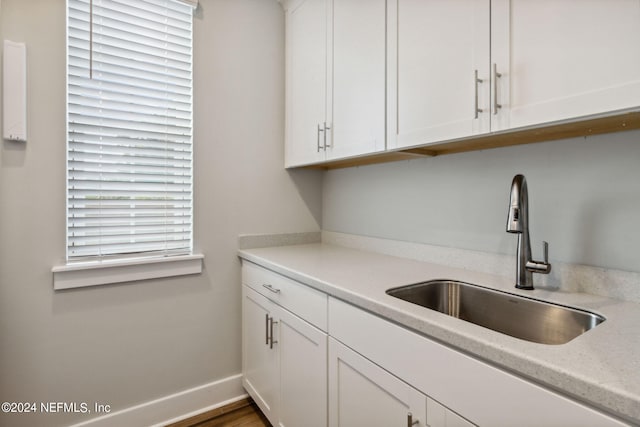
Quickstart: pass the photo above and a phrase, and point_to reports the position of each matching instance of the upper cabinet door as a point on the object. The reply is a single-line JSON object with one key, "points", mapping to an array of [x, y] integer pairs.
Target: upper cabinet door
{"points": [[358, 78], [306, 85], [438, 70], [564, 59]]}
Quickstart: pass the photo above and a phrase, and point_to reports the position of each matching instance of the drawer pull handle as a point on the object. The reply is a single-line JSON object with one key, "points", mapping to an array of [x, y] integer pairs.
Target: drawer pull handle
{"points": [[271, 288], [410, 421]]}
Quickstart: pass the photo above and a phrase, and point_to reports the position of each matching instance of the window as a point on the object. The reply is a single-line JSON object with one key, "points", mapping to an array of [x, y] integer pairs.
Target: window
{"points": [[129, 115]]}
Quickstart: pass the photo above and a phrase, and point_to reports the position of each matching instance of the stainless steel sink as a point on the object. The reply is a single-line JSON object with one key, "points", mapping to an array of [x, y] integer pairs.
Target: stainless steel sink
{"points": [[525, 318]]}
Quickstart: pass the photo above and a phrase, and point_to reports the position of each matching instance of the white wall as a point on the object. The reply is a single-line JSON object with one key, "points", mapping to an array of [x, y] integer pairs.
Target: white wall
{"points": [[126, 344], [584, 196]]}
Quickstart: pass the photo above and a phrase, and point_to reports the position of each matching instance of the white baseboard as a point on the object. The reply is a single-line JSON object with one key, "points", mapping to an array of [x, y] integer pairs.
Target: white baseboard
{"points": [[175, 407]]}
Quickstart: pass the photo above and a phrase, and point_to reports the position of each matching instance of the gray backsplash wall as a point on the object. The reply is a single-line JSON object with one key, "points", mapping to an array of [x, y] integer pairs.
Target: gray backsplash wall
{"points": [[584, 199]]}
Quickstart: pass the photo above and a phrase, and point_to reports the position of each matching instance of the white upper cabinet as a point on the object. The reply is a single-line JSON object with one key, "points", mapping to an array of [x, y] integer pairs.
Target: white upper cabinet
{"points": [[537, 62], [438, 70], [358, 107], [364, 76], [564, 59], [335, 102], [306, 97]]}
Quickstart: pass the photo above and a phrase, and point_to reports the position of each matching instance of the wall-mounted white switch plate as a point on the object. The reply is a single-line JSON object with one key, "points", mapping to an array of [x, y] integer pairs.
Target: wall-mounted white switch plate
{"points": [[14, 91]]}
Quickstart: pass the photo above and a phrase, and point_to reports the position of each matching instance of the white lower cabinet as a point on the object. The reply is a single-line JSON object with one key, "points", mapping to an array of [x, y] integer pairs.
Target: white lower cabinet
{"points": [[309, 360], [259, 360], [481, 393], [284, 358], [363, 394]]}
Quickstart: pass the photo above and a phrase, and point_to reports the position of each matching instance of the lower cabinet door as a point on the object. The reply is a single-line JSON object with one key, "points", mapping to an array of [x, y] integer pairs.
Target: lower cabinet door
{"points": [[363, 394], [303, 372], [259, 357]]}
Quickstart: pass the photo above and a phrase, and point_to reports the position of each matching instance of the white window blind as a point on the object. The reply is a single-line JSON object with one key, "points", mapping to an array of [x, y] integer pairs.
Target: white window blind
{"points": [[129, 163]]}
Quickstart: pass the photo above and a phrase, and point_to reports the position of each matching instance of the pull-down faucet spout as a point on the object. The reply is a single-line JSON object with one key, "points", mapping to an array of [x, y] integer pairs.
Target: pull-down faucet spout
{"points": [[518, 222]]}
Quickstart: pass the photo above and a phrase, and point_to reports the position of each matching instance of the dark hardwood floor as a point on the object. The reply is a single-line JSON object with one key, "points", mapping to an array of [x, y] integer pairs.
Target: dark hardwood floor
{"points": [[243, 413]]}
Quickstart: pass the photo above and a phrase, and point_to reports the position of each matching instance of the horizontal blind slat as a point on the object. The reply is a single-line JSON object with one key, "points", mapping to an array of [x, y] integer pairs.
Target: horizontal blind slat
{"points": [[129, 114], [89, 222], [110, 68], [103, 80], [138, 57], [131, 163], [126, 93], [137, 13], [85, 136], [172, 110], [115, 128], [79, 22]]}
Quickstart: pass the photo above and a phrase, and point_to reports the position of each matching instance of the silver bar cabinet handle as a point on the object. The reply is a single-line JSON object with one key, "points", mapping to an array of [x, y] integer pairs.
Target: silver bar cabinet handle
{"points": [[271, 288], [318, 146], [266, 332], [496, 76], [476, 81], [326, 128], [271, 330], [410, 421]]}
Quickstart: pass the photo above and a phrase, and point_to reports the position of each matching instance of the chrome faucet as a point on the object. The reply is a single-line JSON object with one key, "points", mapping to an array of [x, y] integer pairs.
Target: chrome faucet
{"points": [[518, 222]]}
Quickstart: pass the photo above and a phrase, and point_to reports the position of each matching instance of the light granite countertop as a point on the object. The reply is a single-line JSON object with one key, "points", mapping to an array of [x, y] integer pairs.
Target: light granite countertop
{"points": [[600, 367]]}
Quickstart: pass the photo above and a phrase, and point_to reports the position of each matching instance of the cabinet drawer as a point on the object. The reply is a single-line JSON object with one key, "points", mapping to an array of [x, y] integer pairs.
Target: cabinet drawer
{"points": [[308, 303]]}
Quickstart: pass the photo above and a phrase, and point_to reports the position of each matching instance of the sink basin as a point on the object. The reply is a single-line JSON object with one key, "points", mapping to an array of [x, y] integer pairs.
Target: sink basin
{"points": [[525, 318]]}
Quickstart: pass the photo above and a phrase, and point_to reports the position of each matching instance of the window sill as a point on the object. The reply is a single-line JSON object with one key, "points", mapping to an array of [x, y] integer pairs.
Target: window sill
{"points": [[117, 271]]}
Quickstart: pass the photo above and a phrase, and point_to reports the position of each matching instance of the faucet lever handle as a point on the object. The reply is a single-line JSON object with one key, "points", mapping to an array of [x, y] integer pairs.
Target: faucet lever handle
{"points": [[542, 267]]}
